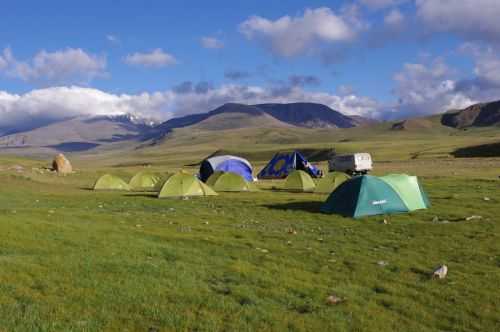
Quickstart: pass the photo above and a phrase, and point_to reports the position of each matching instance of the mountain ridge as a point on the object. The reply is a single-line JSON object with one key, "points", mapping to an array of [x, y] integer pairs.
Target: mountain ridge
{"points": [[477, 115], [305, 115]]}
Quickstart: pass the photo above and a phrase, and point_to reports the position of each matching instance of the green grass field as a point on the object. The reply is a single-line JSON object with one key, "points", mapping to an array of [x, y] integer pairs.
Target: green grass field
{"points": [[77, 260]]}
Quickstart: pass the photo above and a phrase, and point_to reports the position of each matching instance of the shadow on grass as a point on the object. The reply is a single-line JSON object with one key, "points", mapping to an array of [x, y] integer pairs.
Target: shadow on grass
{"points": [[143, 194], [313, 207]]}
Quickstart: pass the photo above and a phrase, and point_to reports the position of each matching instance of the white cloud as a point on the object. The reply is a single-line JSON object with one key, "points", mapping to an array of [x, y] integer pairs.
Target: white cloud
{"points": [[113, 39], [477, 19], [291, 36], [424, 89], [211, 42], [487, 62], [156, 58], [55, 103], [394, 18], [69, 65]]}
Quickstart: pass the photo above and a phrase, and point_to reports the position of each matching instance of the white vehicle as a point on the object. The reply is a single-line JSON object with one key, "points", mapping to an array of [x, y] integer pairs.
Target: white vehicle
{"points": [[353, 164]]}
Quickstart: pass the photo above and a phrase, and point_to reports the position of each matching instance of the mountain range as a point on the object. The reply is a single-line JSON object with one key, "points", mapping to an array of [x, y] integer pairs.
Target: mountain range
{"points": [[85, 133]]}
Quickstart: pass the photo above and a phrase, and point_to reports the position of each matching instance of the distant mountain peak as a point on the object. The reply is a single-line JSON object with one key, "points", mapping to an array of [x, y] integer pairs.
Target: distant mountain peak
{"points": [[130, 118]]}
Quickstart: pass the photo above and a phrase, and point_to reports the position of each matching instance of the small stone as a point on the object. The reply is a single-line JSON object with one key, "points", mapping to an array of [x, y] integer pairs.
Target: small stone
{"points": [[385, 222], [206, 222], [473, 218], [289, 243], [382, 263], [435, 219], [440, 272], [486, 199], [334, 300], [264, 251], [138, 225]]}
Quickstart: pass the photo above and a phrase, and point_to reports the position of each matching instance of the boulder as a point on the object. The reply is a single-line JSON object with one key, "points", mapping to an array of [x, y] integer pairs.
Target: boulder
{"points": [[440, 272], [61, 164]]}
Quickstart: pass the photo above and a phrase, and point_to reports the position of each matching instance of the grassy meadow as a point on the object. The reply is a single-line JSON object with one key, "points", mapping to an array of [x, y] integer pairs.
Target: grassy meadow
{"points": [[77, 260]]}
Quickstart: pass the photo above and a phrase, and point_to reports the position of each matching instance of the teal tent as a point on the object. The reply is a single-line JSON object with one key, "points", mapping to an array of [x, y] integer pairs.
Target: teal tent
{"points": [[409, 189], [364, 196]]}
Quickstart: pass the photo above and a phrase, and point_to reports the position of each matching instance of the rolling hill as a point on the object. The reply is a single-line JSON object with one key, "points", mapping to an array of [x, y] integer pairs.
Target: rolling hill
{"points": [[478, 115], [79, 133]]}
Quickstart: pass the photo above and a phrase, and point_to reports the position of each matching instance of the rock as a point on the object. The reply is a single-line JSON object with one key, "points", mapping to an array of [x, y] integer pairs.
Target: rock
{"points": [[385, 222], [486, 199], [62, 165], [474, 218], [334, 300], [435, 219], [440, 272], [382, 263]]}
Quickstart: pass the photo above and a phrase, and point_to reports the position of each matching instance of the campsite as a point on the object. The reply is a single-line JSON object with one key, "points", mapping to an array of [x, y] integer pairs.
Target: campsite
{"points": [[274, 166], [79, 259]]}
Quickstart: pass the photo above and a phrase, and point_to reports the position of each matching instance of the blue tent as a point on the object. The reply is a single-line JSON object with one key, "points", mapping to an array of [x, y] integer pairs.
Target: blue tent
{"points": [[226, 163], [283, 163]]}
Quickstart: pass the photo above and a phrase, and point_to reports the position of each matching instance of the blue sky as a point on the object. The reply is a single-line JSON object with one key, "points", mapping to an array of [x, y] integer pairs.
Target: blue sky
{"points": [[376, 58]]}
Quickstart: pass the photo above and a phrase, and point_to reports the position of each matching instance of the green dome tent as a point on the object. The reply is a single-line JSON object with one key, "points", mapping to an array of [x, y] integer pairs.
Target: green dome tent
{"points": [[229, 181], [110, 182], [184, 185], [146, 181], [213, 178], [330, 182], [364, 196], [409, 189], [299, 181]]}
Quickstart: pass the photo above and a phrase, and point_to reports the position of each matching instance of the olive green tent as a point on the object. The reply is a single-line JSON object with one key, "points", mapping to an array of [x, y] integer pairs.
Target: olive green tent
{"points": [[110, 182], [213, 178], [330, 182], [409, 189], [228, 181], [184, 185], [299, 181], [147, 181], [364, 196]]}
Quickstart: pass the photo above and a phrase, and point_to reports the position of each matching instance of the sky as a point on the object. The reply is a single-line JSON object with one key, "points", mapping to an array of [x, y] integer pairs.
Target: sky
{"points": [[383, 59]]}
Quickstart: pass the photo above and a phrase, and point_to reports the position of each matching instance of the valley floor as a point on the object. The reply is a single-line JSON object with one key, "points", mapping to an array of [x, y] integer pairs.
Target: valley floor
{"points": [[77, 260]]}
